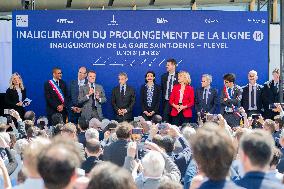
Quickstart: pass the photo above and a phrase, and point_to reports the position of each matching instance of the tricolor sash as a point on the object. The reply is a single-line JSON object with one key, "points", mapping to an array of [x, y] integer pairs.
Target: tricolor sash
{"points": [[57, 90]]}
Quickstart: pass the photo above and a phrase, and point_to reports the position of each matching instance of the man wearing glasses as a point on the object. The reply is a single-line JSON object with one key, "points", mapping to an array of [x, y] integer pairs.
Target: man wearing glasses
{"points": [[74, 109], [231, 97], [206, 97], [55, 92]]}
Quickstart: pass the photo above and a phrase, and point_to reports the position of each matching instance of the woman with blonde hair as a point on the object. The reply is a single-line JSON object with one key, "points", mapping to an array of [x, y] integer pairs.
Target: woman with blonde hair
{"points": [[182, 100], [16, 94]]}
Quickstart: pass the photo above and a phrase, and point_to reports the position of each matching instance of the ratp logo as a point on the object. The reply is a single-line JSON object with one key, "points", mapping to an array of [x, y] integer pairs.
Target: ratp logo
{"points": [[22, 20], [258, 36]]}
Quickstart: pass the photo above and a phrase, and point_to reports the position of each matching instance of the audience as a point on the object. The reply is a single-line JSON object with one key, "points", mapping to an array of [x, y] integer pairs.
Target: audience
{"points": [[93, 150]]}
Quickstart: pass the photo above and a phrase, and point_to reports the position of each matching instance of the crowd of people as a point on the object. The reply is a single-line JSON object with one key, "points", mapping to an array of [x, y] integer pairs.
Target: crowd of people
{"points": [[75, 147]]}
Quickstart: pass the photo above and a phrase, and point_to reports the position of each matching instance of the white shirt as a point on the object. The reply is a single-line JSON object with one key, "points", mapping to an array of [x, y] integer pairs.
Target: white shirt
{"points": [[250, 89], [170, 84], [31, 183], [81, 82]]}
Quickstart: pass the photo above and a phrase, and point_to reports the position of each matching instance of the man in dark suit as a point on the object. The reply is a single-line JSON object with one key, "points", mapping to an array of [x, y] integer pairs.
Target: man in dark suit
{"points": [[93, 150], [206, 97], [117, 151], [74, 108], [123, 99], [55, 92], [168, 80], [270, 94], [252, 93], [255, 155], [231, 97]]}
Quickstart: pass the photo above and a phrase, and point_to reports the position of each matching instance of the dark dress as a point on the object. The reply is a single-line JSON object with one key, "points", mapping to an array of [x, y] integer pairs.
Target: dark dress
{"points": [[12, 98]]}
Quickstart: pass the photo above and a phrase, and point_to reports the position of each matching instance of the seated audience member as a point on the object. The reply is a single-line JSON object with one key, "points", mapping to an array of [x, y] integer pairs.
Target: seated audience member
{"points": [[156, 119], [107, 175], [168, 184], [30, 115], [30, 161], [156, 167], [269, 126], [273, 173], [182, 100], [69, 131], [56, 119], [150, 96], [212, 144], [280, 166], [117, 151], [57, 164], [93, 150], [57, 129], [97, 124], [82, 126], [256, 150]]}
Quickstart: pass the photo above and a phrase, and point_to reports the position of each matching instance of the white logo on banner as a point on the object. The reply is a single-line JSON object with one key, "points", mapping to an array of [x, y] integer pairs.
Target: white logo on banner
{"points": [[113, 22], [258, 36], [22, 20], [162, 21]]}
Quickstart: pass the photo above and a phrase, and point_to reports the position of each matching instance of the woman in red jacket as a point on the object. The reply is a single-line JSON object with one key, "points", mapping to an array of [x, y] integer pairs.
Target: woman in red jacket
{"points": [[182, 100]]}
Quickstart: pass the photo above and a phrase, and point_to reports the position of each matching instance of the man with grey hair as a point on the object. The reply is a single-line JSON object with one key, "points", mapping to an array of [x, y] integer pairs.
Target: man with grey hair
{"points": [[252, 95], [92, 133], [255, 154], [206, 97]]}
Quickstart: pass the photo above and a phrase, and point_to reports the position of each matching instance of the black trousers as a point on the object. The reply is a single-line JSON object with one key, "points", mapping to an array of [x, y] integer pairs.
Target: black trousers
{"points": [[166, 111], [180, 119]]}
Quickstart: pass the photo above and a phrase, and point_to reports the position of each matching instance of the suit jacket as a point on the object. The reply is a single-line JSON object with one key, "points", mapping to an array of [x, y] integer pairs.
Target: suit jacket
{"points": [[253, 180], [116, 152], [164, 79], [90, 163], [12, 98], [245, 97], [155, 100], [188, 100], [123, 102], [86, 103], [74, 93], [222, 184], [212, 101], [52, 100], [235, 100]]}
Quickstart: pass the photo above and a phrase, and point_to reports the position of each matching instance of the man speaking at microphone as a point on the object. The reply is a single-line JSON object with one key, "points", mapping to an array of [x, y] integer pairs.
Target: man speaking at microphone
{"points": [[91, 97]]}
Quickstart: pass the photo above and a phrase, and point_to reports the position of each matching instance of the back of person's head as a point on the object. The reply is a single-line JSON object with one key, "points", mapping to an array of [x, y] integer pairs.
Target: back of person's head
{"points": [[31, 132], [257, 146], [93, 146], [168, 143], [3, 127], [42, 121], [57, 164], [107, 175], [28, 124], [213, 144], [153, 164], [69, 129], [20, 146], [95, 123], [187, 132], [276, 157], [57, 128], [31, 153], [169, 184], [29, 115], [92, 133], [123, 131], [110, 126], [56, 119], [158, 139], [269, 125], [83, 123], [156, 119], [6, 137]]}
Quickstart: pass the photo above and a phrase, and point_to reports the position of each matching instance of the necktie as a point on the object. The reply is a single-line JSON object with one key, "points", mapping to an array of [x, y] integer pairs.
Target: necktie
{"points": [[170, 86], [57, 82], [122, 91], [206, 95], [252, 103], [93, 96]]}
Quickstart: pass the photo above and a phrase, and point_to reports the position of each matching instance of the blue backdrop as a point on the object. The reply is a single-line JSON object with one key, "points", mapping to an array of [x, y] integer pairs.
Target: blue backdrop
{"points": [[136, 41]]}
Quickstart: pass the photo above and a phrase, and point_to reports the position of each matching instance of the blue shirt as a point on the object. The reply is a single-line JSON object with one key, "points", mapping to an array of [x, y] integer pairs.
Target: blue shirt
{"points": [[222, 184]]}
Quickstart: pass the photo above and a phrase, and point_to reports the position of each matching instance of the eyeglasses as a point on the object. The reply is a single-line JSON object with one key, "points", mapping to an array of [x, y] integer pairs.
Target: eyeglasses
{"points": [[227, 82]]}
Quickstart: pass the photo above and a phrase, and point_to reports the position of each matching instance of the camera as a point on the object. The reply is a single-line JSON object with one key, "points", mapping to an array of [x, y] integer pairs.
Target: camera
{"points": [[7, 111], [136, 133]]}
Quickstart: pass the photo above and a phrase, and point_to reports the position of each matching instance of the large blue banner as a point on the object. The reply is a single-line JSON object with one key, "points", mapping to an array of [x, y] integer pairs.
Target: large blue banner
{"points": [[110, 42]]}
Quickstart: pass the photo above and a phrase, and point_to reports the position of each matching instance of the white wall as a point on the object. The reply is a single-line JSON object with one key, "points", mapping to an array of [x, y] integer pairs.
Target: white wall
{"points": [[5, 54], [274, 48]]}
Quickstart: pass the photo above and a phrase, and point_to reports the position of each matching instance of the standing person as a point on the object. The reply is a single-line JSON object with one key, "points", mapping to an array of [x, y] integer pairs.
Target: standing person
{"points": [[182, 100], [168, 80], [231, 97], [123, 99], [91, 97], [74, 106], [150, 96], [16, 94], [270, 94], [55, 92], [206, 97], [252, 95]]}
